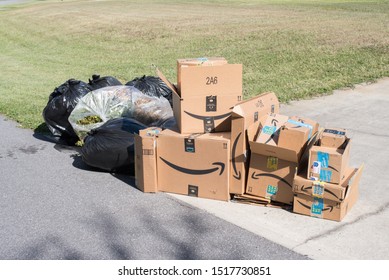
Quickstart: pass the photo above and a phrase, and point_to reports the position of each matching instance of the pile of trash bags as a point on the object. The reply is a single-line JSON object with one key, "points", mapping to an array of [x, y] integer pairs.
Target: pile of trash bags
{"points": [[104, 115]]}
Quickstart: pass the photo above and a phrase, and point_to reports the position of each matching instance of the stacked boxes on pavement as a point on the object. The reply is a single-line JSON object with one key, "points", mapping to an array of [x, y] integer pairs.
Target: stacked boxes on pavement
{"points": [[224, 147], [328, 187]]}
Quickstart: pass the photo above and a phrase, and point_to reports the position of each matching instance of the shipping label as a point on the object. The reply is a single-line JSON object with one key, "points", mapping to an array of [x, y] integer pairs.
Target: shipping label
{"points": [[272, 163], [317, 207]]}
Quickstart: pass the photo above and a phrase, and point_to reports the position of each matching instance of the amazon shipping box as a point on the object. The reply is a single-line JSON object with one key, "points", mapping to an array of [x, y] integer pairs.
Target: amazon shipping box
{"points": [[194, 164], [329, 164], [244, 115], [273, 165], [206, 97], [326, 200], [146, 159]]}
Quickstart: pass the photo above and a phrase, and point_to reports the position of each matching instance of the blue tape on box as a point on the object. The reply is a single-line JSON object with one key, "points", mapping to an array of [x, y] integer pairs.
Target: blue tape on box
{"points": [[269, 129], [304, 125], [323, 158], [325, 175]]}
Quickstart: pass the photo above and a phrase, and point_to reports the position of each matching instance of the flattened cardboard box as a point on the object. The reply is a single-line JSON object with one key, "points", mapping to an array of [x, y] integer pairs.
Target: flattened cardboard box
{"points": [[329, 164], [328, 209], [206, 98], [198, 62], [244, 115], [146, 159], [196, 165]]}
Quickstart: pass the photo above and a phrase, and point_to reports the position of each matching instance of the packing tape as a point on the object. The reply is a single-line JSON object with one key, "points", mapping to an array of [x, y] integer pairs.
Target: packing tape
{"points": [[269, 129], [325, 175], [323, 158], [304, 125], [318, 189]]}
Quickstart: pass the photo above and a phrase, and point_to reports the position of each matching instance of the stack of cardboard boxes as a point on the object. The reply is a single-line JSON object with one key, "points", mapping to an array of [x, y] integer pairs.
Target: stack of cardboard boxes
{"points": [[225, 147], [328, 188]]}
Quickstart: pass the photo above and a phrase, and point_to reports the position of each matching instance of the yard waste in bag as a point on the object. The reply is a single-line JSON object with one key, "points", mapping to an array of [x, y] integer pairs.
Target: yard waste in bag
{"points": [[111, 146], [100, 82], [152, 86], [61, 103], [101, 105]]}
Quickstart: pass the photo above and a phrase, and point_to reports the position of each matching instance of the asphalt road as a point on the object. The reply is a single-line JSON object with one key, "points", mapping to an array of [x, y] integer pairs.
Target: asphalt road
{"points": [[52, 206]]}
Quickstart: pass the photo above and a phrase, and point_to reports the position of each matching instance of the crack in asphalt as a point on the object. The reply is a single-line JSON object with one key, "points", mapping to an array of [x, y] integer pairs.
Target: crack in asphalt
{"points": [[331, 231]]}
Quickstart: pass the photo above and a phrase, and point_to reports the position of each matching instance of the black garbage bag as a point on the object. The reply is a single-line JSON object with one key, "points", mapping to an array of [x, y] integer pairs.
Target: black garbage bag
{"points": [[100, 82], [169, 123], [111, 147], [61, 103], [153, 86]]}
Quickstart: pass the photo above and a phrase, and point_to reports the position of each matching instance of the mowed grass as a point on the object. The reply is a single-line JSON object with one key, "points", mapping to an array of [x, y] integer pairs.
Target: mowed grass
{"points": [[298, 49]]}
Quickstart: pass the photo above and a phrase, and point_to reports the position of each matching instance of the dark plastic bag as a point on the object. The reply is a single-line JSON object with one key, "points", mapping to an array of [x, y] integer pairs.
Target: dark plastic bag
{"points": [[61, 103], [111, 147], [100, 82], [153, 86]]}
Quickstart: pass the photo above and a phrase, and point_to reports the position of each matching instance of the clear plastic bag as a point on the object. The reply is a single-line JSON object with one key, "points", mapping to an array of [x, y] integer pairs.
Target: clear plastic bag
{"points": [[101, 105]]}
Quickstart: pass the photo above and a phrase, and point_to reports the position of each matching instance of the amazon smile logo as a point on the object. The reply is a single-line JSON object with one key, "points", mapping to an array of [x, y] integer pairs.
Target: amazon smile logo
{"points": [[329, 208], [218, 166], [204, 118], [257, 176], [237, 175], [306, 190]]}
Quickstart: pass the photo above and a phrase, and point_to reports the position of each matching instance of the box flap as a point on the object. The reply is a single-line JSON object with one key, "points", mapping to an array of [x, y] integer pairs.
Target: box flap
{"points": [[248, 107], [274, 151], [353, 181], [167, 82]]}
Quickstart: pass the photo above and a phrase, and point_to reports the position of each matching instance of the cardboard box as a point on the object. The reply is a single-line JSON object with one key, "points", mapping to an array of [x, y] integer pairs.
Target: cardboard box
{"points": [[333, 137], [243, 115], [329, 164], [199, 62], [296, 132], [271, 178], [272, 168], [327, 208], [146, 159], [270, 129], [195, 165], [206, 97]]}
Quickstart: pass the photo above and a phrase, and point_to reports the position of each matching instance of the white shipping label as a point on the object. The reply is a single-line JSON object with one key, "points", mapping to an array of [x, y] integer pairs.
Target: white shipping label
{"points": [[316, 167]]}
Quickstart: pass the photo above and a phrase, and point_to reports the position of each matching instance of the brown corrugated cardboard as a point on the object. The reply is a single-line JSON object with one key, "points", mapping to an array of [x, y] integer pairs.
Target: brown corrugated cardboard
{"points": [[329, 164], [327, 208], [243, 115], [195, 165], [146, 159], [271, 178], [255, 200], [320, 189], [206, 97], [199, 62], [333, 137], [270, 129], [286, 135], [272, 168], [296, 132]]}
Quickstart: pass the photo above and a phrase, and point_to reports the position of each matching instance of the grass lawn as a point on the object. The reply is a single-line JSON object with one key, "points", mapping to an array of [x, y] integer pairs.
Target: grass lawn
{"points": [[298, 49]]}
